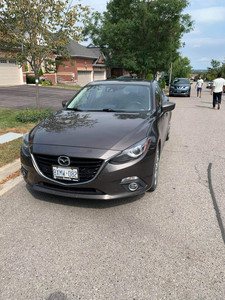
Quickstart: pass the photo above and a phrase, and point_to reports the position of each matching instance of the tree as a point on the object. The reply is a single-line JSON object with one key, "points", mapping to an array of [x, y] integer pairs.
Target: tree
{"points": [[222, 69], [37, 30], [142, 36], [181, 68], [213, 70]]}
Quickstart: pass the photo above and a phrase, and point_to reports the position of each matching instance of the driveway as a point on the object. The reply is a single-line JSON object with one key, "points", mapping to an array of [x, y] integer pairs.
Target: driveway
{"points": [[24, 96]]}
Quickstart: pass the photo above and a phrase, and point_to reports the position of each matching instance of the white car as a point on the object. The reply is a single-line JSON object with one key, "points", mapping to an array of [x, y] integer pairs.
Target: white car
{"points": [[209, 85]]}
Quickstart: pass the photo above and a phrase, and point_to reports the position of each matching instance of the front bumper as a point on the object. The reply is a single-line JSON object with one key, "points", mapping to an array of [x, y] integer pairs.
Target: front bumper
{"points": [[179, 92], [105, 186]]}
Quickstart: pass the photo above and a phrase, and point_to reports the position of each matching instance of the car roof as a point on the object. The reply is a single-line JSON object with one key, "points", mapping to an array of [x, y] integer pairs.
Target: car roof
{"points": [[122, 81]]}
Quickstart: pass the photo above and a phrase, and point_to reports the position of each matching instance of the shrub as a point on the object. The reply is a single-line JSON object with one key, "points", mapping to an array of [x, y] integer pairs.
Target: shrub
{"points": [[33, 116], [148, 76], [30, 79], [163, 84], [113, 77], [40, 73], [46, 83]]}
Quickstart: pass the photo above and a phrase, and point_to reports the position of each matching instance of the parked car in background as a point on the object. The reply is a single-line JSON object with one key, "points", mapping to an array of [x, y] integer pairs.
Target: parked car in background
{"points": [[209, 85], [127, 77], [180, 87], [104, 144]]}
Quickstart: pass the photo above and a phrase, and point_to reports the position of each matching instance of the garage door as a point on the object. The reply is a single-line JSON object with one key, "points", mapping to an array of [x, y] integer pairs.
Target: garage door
{"points": [[84, 77], [99, 75], [10, 74]]}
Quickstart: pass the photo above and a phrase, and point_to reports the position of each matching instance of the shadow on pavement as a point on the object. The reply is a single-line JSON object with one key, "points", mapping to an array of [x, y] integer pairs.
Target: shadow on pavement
{"points": [[88, 203]]}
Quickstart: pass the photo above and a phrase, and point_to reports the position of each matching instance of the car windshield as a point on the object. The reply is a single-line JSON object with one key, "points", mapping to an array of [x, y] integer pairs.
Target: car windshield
{"points": [[112, 97], [181, 80]]}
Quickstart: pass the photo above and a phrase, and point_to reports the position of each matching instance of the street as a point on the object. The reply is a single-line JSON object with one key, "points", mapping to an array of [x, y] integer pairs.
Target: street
{"points": [[167, 244]]}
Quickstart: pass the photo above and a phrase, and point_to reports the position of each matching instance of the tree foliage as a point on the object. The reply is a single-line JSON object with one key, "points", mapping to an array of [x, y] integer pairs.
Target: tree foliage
{"points": [[213, 70], [142, 36], [37, 30], [181, 68]]}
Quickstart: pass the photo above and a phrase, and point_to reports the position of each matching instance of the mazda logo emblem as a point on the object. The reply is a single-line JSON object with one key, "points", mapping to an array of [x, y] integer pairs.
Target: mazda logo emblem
{"points": [[64, 161]]}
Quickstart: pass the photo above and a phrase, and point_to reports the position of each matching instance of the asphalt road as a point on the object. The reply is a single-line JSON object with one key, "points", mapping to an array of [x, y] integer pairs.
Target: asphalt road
{"points": [[168, 244], [24, 96]]}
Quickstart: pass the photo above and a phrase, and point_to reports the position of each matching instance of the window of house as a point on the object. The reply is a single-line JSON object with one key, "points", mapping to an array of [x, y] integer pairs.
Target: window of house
{"points": [[48, 66], [11, 61], [3, 61]]}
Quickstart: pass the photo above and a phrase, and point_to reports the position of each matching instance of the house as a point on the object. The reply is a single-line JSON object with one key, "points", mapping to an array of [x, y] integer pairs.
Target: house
{"points": [[88, 65]]}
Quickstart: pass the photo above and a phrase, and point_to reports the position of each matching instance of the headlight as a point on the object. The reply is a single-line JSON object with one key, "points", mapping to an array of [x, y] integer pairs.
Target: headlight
{"points": [[132, 152], [25, 145]]}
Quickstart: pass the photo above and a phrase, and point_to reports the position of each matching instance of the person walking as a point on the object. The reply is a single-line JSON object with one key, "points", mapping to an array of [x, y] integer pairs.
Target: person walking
{"points": [[199, 86], [217, 89]]}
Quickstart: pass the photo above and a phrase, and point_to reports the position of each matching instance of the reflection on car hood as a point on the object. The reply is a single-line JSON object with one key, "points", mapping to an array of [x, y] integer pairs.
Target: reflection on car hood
{"points": [[99, 130]]}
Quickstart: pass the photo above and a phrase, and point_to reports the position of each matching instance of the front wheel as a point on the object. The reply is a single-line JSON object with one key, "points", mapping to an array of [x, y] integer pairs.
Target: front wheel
{"points": [[189, 94], [168, 131], [155, 171]]}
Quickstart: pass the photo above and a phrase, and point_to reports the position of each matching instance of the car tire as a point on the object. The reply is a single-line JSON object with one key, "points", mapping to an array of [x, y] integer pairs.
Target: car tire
{"points": [[156, 170], [189, 94], [168, 131]]}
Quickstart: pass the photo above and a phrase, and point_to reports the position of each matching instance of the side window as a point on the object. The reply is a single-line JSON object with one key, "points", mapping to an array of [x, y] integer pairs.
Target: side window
{"points": [[158, 96]]}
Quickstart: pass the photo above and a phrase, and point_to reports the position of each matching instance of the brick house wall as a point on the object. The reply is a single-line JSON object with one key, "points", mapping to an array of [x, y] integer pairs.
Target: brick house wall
{"points": [[80, 64]]}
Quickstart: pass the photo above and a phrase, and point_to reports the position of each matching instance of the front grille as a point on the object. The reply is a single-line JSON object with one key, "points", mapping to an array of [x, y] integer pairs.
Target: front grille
{"points": [[72, 190], [87, 167]]}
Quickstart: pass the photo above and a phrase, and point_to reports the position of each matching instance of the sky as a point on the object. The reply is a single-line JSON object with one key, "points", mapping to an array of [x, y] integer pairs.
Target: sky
{"points": [[206, 41]]}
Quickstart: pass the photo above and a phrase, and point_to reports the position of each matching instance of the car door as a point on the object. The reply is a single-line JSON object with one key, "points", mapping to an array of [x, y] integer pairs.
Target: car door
{"points": [[163, 117]]}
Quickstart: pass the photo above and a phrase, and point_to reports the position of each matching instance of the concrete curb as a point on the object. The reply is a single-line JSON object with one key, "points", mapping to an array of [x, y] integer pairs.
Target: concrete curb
{"points": [[10, 184], [6, 171]]}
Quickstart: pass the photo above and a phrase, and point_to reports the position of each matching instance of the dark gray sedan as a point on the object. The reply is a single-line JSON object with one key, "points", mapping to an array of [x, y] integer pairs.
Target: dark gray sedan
{"points": [[180, 87], [104, 144]]}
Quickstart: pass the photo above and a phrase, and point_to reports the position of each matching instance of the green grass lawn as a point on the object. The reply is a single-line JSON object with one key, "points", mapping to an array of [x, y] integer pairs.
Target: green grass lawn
{"points": [[8, 123], [10, 151]]}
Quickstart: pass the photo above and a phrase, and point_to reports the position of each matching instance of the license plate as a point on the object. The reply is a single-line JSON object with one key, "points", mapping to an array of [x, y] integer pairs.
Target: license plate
{"points": [[65, 173]]}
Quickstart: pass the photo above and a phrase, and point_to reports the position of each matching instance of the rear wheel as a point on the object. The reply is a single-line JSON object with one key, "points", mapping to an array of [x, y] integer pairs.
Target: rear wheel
{"points": [[155, 171]]}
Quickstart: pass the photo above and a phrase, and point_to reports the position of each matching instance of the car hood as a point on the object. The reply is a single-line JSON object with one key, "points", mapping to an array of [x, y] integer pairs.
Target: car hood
{"points": [[96, 130]]}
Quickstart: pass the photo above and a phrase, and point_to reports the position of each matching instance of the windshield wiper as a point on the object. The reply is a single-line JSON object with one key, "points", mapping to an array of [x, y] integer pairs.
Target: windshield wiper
{"points": [[109, 109], [75, 109]]}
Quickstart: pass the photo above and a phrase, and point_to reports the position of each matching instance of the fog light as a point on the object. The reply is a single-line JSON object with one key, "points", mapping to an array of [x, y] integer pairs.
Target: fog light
{"points": [[133, 186], [24, 172]]}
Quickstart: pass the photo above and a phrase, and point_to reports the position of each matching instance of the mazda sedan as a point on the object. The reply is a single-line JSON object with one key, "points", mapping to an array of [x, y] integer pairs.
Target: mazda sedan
{"points": [[104, 144]]}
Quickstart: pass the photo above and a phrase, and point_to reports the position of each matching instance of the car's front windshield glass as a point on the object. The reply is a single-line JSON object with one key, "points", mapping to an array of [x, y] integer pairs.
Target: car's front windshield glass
{"points": [[113, 97], [180, 80]]}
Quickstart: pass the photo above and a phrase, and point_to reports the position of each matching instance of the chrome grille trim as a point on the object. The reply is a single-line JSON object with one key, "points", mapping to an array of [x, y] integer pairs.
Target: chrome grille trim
{"points": [[66, 184]]}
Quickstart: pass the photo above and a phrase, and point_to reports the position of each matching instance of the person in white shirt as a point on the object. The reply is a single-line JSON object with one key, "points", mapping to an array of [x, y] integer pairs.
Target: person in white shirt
{"points": [[217, 89], [199, 86]]}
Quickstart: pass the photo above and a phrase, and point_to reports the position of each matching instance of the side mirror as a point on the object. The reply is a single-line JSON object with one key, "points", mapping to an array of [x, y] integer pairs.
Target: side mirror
{"points": [[168, 106], [64, 103]]}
